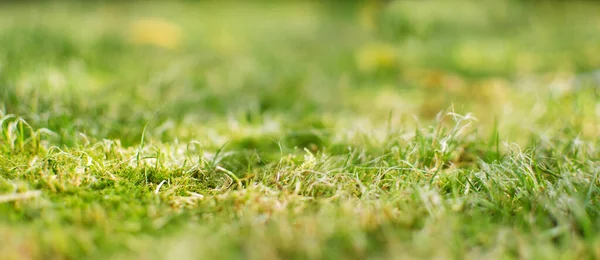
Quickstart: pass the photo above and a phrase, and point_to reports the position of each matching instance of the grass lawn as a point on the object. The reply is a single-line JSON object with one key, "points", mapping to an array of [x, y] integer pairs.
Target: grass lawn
{"points": [[298, 130]]}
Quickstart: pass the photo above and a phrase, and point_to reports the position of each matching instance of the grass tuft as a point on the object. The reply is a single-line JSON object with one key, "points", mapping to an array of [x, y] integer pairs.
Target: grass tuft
{"points": [[299, 130]]}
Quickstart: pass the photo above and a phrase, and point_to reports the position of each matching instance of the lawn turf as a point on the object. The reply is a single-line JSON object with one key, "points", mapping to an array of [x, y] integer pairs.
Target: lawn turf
{"points": [[299, 130]]}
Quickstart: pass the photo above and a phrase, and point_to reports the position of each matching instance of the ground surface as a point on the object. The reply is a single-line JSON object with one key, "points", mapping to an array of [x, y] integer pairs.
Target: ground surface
{"points": [[187, 131]]}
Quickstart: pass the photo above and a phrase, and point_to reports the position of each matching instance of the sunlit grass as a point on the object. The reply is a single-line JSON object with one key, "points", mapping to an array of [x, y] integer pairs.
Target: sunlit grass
{"points": [[299, 130]]}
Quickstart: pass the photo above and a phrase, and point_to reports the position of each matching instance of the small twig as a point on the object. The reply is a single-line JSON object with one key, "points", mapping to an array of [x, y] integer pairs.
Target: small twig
{"points": [[20, 196], [159, 185], [195, 195]]}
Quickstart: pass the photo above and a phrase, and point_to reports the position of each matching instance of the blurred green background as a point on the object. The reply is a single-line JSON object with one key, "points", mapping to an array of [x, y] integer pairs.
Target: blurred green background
{"points": [[109, 67]]}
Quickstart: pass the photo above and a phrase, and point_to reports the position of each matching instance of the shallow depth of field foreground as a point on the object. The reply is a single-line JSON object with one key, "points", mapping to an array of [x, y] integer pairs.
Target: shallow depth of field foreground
{"points": [[299, 130]]}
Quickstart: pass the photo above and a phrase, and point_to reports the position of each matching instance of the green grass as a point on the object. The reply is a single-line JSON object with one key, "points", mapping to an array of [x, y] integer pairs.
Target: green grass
{"points": [[292, 131]]}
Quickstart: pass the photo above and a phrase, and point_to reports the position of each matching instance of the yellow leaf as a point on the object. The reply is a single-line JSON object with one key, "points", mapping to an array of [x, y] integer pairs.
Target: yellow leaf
{"points": [[157, 32], [376, 56]]}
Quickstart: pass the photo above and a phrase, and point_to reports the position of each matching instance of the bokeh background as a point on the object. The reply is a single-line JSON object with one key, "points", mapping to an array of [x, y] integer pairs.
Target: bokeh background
{"points": [[109, 68]]}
